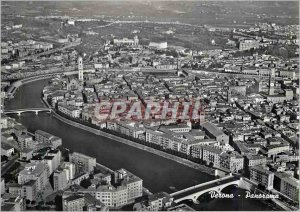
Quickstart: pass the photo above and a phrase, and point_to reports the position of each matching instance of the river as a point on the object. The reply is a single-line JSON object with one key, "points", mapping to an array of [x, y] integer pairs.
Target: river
{"points": [[158, 174]]}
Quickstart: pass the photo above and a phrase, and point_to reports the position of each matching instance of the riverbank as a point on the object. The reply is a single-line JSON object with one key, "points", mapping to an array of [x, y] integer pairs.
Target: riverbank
{"points": [[180, 160], [177, 159], [15, 85], [101, 166]]}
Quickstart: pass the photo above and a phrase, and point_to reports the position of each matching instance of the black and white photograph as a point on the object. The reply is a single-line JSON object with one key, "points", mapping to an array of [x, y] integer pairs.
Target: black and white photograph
{"points": [[149, 105]]}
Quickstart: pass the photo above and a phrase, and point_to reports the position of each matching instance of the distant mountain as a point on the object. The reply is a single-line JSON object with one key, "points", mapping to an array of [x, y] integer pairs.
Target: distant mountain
{"points": [[189, 12]]}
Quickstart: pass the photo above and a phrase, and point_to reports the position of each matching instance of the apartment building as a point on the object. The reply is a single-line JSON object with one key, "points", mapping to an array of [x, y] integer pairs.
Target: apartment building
{"points": [[34, 171], [60, 179], [260, 175], [83, 163], [233, 162], [6, 149], [28, 190], [155, 202], [74, 203], [69, 110], [44, 137], [255, 160], [211, 155], [287, 185], [81, 202], [26, 141], [122, 189]]}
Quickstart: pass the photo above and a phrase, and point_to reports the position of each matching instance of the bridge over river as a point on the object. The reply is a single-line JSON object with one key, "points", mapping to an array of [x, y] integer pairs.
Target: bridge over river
{"points": [[194, 192], [34, 110]]}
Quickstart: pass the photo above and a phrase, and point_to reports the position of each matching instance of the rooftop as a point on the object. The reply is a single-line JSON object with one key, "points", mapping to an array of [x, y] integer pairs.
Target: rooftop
{"points": [[43, 133], [215, 131], [6, 146], [33, 169]]}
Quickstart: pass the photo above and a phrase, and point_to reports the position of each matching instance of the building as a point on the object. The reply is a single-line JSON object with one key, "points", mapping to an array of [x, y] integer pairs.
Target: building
{"points": [[2, 186], [44, 137], [26, 154], [133, 183], [15, 189], [72, 84], [287, 185], [247, 44], [178, 128], [63, 176], [112, 197], [255, 160], [262, 176], [34, 171], [232, 162], [4, 121], [211, 155], [196, 151], [69, 110], [155, 202], [229, 94], [74, 202], [60, 181], [26, 141], [82, 202], [271, 82], [55, 155], [180, 207], [215, 133], [126, 41], [122, 189], [12, 203], [52, 159], [71, 169], [71, 22], [80, 69], [129, 129], [274, 149], [92, 204], [158, 45], [28, 190], [83, 163], [6, 149], [77, 180]]}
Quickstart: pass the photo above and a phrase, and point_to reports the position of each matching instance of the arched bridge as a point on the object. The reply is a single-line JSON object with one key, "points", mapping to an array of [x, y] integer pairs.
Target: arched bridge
{"points": [[20, 111], [194, 192]]}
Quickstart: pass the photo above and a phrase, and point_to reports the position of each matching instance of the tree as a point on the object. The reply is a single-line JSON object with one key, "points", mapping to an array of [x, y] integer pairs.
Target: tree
{"points": [[4, 158], [58, 203], [261, 187], [85, 183]]}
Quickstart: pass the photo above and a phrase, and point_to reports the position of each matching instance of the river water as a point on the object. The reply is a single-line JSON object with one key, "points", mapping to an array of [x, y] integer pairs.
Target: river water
{"points": [[158, 173]]}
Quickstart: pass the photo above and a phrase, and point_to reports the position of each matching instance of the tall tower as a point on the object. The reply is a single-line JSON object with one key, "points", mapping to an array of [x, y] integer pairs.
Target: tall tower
{"points": [[229, 94], [136, 40], [260, 86], [271, 81], [80, 68]]}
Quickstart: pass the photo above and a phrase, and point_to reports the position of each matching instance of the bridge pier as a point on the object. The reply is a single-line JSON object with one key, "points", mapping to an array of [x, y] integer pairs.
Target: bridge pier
{"points": [[36, 112], [195, 201], [19, 113]]}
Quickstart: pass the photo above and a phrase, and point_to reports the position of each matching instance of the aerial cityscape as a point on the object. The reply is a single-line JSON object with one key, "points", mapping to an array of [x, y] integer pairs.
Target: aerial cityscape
{"points": [[150, 105]]}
